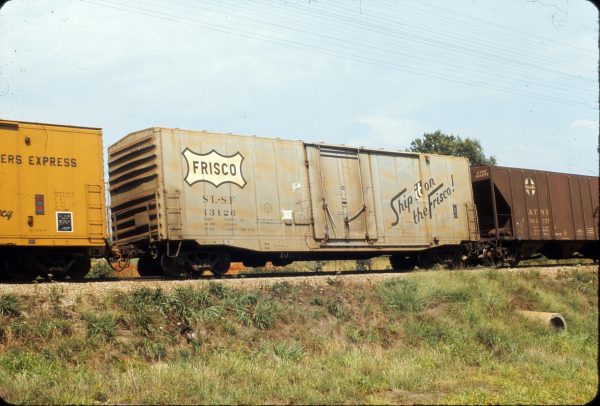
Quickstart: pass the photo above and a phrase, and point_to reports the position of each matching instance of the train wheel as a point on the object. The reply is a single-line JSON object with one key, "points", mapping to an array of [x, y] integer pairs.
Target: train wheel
{"points": [[221, 264], [512, 257], [18, 269], [489, 257], [173, 266], [148, 266], [80, 267]]}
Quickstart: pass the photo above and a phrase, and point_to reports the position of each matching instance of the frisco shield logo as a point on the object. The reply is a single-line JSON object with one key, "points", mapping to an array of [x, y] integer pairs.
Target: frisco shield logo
{"points": [[214, 168]]}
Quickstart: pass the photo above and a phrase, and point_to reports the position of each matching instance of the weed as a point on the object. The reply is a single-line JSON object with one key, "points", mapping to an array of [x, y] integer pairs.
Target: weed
{"points": [[495, 302], [454, 291], [523, 296], [363, 265], [10, 305], [318, 266], [265, 313], [146, 296], [317, 301], [185, 302], [52, 327], [290, 351], [492, 274], [282, 289], [211, 313], [17, 360], [56, 294], [72, 349], [217, 290], [336, 309], [533, 274], [402, 295], [99, 269], [19, 327], [353, 334], [336, 282], [152, 350], [240, 298], [101, 327], [357, 335], [496, 338]]}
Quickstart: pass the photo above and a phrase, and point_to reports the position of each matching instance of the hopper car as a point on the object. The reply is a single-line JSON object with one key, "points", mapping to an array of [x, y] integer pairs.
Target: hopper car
{"points": [[522, 212], [187, 201]]}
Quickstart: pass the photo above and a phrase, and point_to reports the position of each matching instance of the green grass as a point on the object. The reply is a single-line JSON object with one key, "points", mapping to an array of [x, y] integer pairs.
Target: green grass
{"points": [[437, 337], [9, 304]]}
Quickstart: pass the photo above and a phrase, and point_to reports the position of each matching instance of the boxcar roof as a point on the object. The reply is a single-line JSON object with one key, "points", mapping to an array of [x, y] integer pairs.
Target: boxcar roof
{"points": [[312, 143], [18, 122]]}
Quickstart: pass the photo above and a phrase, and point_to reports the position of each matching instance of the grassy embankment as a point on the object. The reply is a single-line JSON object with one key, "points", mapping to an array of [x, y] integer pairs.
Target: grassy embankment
{"points": [[437, 337]]}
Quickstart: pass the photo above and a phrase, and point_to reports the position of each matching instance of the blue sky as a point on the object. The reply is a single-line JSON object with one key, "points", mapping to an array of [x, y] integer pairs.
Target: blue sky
{"points": [[521, 76]]}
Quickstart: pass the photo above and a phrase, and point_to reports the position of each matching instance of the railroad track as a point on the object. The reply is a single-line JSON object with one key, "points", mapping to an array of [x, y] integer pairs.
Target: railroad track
{"points": [[266, 275], [262, 275]]}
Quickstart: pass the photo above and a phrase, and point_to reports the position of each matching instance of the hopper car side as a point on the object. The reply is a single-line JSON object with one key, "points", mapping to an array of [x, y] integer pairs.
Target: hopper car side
{"points": [[522, 212]]}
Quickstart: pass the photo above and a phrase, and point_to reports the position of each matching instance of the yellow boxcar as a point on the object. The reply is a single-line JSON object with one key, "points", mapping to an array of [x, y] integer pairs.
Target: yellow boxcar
{"points": [[52, 205]]}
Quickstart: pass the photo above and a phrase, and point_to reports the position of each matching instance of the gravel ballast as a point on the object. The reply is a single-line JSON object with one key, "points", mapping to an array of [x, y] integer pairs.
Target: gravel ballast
{"points": [[90, 288]]}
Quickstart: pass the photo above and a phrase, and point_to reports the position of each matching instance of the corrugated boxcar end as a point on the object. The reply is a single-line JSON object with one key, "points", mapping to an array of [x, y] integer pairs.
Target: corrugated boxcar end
{"points": [[52, 202], [188, 200], [528, 211]]}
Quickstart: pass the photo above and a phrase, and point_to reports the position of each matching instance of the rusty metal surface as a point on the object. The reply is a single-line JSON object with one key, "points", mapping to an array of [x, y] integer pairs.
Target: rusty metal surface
{"points": [[267, 194], [536, 205]]}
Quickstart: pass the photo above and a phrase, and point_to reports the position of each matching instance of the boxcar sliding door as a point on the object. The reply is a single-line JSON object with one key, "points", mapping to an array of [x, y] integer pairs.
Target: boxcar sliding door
{"points": [[341, 194]]}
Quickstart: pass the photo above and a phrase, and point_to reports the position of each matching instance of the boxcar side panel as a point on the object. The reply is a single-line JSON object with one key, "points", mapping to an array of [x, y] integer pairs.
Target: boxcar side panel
{"points": [[589, 191], [246, 192], [423, 199], [51, 185], [341, 194], [273, 195]]}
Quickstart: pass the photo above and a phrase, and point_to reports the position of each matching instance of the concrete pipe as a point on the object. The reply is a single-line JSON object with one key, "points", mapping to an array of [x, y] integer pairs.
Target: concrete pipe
{"points": [[554, 320]]}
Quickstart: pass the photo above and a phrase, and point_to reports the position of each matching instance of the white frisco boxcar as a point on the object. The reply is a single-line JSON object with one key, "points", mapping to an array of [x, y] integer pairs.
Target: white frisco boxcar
{"points": [[185, 201]]}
